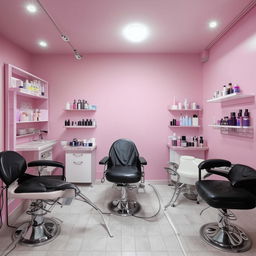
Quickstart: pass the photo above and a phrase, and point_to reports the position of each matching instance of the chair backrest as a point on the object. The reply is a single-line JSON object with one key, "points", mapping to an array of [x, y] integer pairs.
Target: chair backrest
{"points": [[123, 152], [242, 176], [12, 166]]}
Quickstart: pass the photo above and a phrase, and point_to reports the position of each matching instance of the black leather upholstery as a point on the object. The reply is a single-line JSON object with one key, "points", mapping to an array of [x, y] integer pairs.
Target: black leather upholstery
{"points": [[123, 174], [123, 163], [43, 184], [238, 192], [12, 166], [221, 194]]}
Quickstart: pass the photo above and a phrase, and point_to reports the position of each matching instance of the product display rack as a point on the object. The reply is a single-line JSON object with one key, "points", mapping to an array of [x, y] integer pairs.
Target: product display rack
{"points": [[243, 131], [229, 97], [15, 98]]}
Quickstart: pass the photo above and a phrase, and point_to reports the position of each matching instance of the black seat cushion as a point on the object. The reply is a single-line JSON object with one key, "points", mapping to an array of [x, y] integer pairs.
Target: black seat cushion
{"points": [[221, 194], [123, 174], [43, 184]]}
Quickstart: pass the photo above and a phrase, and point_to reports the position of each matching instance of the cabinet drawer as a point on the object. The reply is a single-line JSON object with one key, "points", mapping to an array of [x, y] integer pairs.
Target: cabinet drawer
{"points": [[78, 167]]}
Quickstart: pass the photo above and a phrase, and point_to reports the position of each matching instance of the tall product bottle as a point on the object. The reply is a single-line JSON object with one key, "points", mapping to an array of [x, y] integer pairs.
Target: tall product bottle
{"points": [[246, 118]]}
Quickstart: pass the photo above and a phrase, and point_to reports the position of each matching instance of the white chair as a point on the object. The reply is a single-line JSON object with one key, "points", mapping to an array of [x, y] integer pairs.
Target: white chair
{"points": [[184, 177]]}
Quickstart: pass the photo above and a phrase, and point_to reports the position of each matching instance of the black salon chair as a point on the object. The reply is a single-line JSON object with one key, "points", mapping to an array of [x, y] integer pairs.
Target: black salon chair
{"points": [[44, 191], [237, 192], [124, 167]]}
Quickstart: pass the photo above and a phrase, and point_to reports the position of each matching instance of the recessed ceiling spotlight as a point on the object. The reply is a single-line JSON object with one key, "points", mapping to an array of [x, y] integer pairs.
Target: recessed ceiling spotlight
{"points": [[31, 8], [43, 44], [135, 32], [213, 24]]}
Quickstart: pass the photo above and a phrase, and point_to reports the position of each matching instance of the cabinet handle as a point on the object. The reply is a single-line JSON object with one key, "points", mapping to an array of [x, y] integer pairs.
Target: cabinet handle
{"points": [[77, 154], [78, 162]]}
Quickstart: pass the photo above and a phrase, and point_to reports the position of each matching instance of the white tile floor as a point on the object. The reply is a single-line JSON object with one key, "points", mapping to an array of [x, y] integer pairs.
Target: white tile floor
{"points": [[83, 235]]}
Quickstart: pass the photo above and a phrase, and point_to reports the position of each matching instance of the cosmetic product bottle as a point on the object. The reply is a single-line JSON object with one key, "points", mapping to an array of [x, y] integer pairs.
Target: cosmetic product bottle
{"points": [[195, 120], [171, 123], [239, 121], [181, 120], [186, 104], [179, 105], [186, 120], [178, 141], [79, 104], [86, 122], [231, 90], [246, 118], [189, 121], [83, 104], [233, 119], [74, 104], [174, 140], [183, 141], [236, 89], [174, 122], [93, 122], [90, 122], [86, 105], [225, 90], [195, 139], [68, 106], [201, 141]]}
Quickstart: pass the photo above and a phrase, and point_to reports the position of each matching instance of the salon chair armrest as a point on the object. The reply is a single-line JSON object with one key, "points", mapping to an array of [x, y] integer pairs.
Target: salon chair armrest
{"points": [[51, 163], [212, 163], [223, 173], [37, 163], [104, 160], [142, 160]]}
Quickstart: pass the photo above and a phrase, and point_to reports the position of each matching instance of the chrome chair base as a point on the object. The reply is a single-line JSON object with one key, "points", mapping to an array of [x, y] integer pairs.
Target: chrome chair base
{"points": [[124, 208], [36, 234], [229, 238]]}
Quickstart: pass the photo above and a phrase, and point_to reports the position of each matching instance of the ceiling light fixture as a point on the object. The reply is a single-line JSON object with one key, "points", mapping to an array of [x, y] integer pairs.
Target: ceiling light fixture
{"points": [[43, 44], [31, 8], [213, 24], [64, 37], [135, 32]]}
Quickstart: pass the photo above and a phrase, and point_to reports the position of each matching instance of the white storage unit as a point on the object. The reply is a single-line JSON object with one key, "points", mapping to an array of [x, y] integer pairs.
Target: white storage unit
{"points": [[80, 164]]}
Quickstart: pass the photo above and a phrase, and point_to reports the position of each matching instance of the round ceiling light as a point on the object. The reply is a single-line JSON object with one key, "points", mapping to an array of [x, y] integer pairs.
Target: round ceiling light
{"points": [[31, 8], [43, 44], [135, 32], [213, 24]]}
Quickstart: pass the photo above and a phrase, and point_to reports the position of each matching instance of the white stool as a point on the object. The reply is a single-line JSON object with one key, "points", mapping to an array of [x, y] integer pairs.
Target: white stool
{"points": [[184, 178]]}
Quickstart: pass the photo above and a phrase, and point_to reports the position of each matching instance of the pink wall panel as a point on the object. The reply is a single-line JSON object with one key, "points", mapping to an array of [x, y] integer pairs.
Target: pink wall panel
{"points": [[131, 92], [9, 53], [233, 59]]}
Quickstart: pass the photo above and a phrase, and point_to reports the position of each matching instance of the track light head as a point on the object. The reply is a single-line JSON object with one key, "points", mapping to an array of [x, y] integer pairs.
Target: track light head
{"points": [[78, 56], [65, 38]]}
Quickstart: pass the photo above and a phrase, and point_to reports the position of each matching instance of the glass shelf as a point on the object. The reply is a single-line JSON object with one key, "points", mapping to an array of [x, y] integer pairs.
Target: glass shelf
{"points": [[229, 97], [173, 126], [230, 126], [80, 110], [27, 94]]}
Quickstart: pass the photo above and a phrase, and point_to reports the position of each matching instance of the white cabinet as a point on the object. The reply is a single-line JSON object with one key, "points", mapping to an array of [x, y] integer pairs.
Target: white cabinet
{"points": [[80, 165]]}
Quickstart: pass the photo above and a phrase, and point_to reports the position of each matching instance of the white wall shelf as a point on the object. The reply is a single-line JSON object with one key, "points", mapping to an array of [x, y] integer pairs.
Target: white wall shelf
{"points": [[79, 127], [83, 110], [188, 148], [229, 97], [24, 122], [184, 110], [230, 126], [175, 126]]}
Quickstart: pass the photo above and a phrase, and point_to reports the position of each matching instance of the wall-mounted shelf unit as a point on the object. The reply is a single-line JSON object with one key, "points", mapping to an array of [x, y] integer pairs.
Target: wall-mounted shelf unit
{"points": [[80, 127], [230, 126], [188, 148], [25, 94], [184, 110], [82, 110], [174, 126], [229, 97]]}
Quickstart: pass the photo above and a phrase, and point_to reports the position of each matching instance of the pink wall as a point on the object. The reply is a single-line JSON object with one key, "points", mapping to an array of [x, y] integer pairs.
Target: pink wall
{"points": [[131, 92], [9, 53], [233, 59], [12, 54]]}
